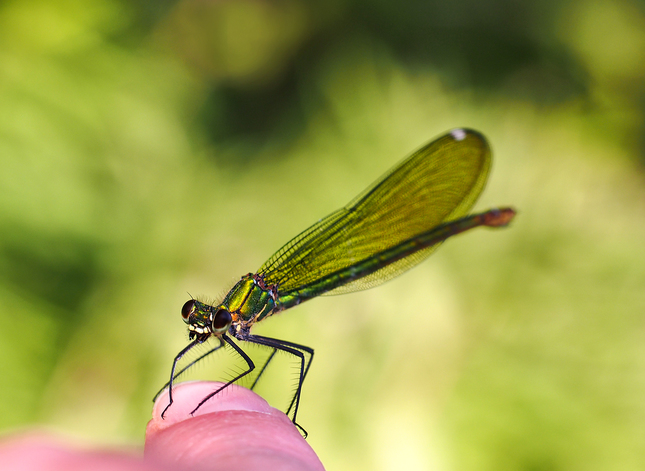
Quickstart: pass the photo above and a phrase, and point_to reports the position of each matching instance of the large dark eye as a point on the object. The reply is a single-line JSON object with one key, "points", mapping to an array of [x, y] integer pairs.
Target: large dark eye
{"points": [[188, 309], [221, 320]]}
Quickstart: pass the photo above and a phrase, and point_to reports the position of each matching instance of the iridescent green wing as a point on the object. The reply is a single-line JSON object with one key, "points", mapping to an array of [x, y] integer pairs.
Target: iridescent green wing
{"points": [[438, 183]]}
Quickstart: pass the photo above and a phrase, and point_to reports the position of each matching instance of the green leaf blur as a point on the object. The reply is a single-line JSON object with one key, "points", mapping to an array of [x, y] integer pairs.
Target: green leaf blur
{"points": [[149, 149]]}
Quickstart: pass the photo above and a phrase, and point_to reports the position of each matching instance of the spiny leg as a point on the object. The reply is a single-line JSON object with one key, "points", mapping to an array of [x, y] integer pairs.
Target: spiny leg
{"points": [[177, 375], [296, 350], [304, 349], [172, 371], [245, 357], [266, 364]]}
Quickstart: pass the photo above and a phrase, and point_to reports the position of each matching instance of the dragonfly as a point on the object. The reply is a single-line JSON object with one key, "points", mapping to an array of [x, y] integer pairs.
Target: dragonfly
{"points": [[387, 229]]}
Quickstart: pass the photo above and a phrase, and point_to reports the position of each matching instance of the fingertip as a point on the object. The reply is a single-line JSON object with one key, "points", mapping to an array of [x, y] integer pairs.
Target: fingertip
{"points": [[237, 429], [188, 395]]}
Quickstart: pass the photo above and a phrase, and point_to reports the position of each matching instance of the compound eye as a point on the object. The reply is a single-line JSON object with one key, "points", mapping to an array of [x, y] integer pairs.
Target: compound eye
{"points": [[221, 320], [187, 310]]}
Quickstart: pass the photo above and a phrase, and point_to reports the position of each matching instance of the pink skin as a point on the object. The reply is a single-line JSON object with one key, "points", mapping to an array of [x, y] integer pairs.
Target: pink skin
{"points": [[236, 430]]}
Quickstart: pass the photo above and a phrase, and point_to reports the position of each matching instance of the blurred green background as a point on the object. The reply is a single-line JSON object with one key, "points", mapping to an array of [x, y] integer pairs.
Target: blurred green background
{"points": [[150, 149]]}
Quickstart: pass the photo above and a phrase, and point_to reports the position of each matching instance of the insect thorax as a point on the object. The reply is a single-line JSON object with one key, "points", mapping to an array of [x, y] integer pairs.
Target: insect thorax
{"points": [[250, 300]]}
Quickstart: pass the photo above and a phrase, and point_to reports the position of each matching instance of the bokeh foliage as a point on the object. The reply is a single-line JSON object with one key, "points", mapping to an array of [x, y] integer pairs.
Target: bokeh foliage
{"points": [[153, 148]]}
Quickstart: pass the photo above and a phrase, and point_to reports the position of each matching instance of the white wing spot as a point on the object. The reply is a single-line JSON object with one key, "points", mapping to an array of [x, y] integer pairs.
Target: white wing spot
{"points": [[458, 134]]}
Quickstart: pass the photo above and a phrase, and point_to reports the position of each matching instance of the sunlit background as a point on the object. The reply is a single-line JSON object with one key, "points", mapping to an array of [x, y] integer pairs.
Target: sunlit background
{"points": [[153, 149]]}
